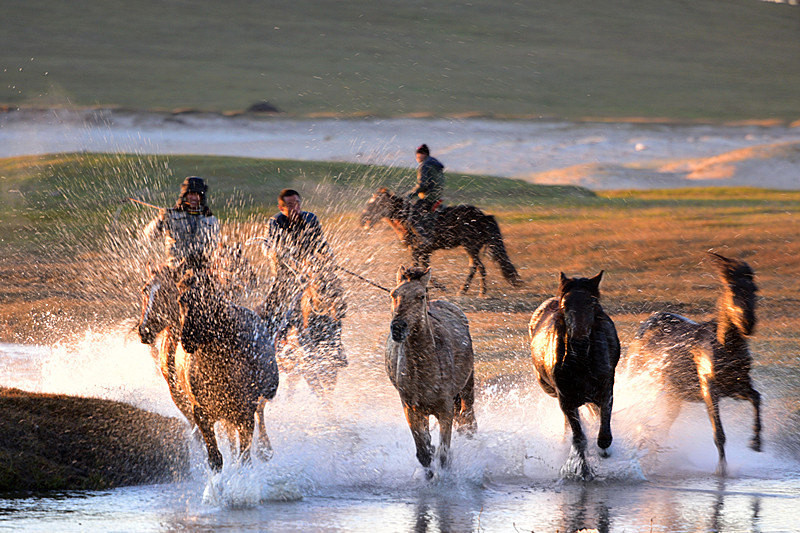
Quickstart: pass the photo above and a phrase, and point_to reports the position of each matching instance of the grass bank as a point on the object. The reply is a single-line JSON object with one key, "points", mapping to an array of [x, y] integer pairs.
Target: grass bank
{"points": [[74, 259]]}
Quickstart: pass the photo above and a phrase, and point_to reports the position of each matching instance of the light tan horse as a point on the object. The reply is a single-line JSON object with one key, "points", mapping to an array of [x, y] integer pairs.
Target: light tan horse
{"points": [[429, 360]]}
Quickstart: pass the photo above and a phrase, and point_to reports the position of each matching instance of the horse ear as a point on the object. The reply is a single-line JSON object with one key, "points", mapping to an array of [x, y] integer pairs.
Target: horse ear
{"points": [[595, 281], [562, 281], [426, 277], [401, 272]]}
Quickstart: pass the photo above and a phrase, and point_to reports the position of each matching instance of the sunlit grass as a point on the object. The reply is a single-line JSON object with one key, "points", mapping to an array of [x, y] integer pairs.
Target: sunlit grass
{"points": [[73, 256]]}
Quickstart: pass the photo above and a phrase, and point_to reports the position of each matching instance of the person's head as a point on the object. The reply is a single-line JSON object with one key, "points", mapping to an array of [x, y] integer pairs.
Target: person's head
{"points": [[422, 153], [289, 203], [193, 193]]}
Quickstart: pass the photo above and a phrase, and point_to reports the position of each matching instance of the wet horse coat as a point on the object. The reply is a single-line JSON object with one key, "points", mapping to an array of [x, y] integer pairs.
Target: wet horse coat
{"points": [[229, 370], [575, 352], [429, 361], [706, 361]]}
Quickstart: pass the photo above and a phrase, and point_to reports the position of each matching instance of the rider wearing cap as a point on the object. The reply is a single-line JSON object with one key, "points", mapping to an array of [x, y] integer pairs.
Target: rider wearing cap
{"points": [[427, 195], [191, 232]]}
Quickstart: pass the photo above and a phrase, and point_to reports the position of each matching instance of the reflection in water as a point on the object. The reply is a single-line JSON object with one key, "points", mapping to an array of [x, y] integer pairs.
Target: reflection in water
{"points": [[442, 512]]}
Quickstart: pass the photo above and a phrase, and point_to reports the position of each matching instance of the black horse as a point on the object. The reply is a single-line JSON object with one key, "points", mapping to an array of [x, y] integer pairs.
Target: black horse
{"points": [[575, 352], [707, 361], [228, 370], [454, 226]]}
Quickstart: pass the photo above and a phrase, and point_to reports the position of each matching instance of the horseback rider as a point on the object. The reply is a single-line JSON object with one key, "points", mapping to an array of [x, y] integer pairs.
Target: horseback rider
{"points": [[426, 197], [298, 253], [190, 230]]}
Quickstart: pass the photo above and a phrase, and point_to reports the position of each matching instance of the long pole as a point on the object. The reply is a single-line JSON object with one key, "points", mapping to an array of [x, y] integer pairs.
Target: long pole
{"points": [[134, 200], [362, 278]]}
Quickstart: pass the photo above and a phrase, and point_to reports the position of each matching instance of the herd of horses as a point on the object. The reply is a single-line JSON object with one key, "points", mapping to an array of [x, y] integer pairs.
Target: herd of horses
{"points": [[219, 359]]}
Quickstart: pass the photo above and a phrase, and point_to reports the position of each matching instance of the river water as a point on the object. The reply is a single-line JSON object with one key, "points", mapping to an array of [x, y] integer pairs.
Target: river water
{"points": [[348, 464]]}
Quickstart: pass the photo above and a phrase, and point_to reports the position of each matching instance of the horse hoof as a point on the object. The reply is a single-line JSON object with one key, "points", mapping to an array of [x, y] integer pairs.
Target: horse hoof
{"points": [[755, 445], [604, 452], [428, 474]]}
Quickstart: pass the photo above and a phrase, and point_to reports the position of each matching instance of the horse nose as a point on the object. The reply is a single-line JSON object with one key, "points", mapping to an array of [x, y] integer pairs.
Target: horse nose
{"points": [[399, 329]]}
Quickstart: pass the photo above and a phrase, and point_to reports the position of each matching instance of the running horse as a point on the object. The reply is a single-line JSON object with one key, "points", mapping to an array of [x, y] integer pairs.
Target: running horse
{"points": [[429, 361], [159, 326], [706, 361], [230, 370], [454, 226], [310, 345], [575, 352]]}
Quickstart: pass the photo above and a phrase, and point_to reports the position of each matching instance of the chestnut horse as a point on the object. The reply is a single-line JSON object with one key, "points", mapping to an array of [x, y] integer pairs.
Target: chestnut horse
{"points": [[706, 361], [429, 361], [161, 314], [575, 352], [453, 226]]}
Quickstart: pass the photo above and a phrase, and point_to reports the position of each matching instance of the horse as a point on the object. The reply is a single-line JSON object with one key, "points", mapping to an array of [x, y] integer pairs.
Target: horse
{"points": [[706, 361], [575, 350], [312, 344], [453, 226], [161, 314], [230, 370], [429, 361]]}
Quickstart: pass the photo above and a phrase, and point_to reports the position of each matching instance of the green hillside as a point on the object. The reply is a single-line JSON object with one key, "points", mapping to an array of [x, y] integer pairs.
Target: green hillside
{"points": [[702, 59]]}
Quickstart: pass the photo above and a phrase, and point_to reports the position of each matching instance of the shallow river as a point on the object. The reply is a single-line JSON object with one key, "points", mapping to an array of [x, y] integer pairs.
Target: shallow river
{"points": [[350, 466]]}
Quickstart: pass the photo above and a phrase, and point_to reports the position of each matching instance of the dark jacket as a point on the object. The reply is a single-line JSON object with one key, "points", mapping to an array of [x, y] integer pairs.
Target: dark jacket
{"points": [[430, 180], [292, 243]]}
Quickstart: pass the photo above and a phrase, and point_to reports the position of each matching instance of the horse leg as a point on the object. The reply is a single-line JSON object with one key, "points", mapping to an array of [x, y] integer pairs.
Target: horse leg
{"points": [[263, 445], [418, 423], [755, 399], [445, 418], [711, 398], [604, 436], [463, 409], [578, 451], [206, 427], [245, 429], [470, 275]]}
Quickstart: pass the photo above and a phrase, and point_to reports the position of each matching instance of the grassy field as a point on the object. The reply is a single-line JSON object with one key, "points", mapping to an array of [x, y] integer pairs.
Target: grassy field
{"points": [[647, 58], [72, 259]]}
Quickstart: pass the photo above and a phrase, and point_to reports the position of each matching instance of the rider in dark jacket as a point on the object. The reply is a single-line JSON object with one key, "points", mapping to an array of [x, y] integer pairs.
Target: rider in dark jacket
{"points": [[428, 192]]}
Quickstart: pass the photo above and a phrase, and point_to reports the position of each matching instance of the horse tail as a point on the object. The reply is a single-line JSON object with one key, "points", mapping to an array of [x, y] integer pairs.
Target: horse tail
{"points": [[497, 250]]}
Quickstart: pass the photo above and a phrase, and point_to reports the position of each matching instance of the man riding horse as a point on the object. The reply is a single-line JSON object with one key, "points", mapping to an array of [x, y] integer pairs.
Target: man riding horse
{"points": [[190, 230], [303, 267], [428, 192]]}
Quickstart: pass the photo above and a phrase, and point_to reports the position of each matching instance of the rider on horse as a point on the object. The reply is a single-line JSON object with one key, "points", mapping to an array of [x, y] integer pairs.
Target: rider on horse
{"points": [[428, 192], [299, 254], [190, 230]]}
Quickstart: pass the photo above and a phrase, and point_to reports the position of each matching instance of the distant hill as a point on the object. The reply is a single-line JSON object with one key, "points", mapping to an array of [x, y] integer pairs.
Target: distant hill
{"points": [[702, 59]]}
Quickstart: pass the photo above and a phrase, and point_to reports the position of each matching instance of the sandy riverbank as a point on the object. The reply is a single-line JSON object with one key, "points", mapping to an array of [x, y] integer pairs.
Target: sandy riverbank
{"points": [[598, 155]]}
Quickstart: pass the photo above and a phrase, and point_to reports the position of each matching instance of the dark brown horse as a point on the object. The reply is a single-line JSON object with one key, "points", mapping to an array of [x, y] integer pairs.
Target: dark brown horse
{"points": [[575, 352], [454, 226], [229, 370], [429, 361], [706, 361]]}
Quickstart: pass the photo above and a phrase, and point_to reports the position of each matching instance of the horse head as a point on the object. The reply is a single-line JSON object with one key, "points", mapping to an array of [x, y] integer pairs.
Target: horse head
{"points": [[198, 305], [159, 303], [409, 301], [383, 204], [578, 302], [738, 301]]}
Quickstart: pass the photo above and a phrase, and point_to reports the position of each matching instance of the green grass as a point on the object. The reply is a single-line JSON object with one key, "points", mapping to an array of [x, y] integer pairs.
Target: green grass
{"points": [[702, 59]]}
